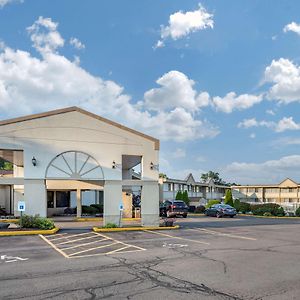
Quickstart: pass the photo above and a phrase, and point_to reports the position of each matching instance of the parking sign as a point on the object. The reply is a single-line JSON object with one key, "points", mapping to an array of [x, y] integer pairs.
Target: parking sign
{"points": [[21, 206]]}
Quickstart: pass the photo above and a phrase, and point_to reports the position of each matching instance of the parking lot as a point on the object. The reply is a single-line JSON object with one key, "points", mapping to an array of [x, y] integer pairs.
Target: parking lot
{"points": [[208, 258]]}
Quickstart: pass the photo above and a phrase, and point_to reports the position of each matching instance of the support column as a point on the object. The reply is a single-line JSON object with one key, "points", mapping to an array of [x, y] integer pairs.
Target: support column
{"points": [[150, 204], [112, 199], [79, 204], [35, 197]]}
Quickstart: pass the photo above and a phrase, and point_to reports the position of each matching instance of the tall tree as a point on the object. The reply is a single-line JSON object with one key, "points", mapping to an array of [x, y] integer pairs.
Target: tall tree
{"points": [[228, 198], [215, 176], [179, 196], [185, 197]]}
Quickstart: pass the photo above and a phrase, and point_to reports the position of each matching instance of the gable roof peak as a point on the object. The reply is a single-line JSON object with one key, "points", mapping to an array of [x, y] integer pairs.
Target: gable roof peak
{"points": [[85, 112]]}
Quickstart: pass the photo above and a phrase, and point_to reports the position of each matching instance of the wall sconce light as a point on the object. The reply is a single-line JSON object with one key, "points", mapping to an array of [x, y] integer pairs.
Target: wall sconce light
{"points": [[34, 161], [114, 165]]}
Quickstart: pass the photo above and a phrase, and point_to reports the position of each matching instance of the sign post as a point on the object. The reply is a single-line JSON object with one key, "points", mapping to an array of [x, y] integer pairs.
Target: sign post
{"points": [[21, 208], [121, 210]]}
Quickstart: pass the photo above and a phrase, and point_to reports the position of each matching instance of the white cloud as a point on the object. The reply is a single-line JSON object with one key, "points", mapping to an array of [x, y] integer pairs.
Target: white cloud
{"points": [[200, 158], [283, 125], [30, 84], [5, 2], [252, 135], [176, 89], [76, 43], [270, 112], [294, 27], [233, 102], [46, 39], [284, 76], [181, 24], [179, 153], [271, 171]]}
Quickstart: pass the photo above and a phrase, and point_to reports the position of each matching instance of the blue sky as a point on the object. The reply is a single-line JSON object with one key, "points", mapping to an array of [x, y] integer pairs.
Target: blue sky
{"points": [[217, 81]]}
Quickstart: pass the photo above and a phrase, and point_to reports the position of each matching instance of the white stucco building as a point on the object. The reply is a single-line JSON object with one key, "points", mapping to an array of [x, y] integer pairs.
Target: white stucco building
{"points": [[62, 156], [198, 192]]}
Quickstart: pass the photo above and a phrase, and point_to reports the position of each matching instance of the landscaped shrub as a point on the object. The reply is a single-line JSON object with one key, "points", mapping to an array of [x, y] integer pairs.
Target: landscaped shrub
{"points": [[200, 209], [237, 204], [267, 214], [36, 222], [273, 208], [99, 207], [185, 198], [89, 210], [244, 207], [110, 225], [297, 212], [212, 202], [179, 196], [228, 198]]}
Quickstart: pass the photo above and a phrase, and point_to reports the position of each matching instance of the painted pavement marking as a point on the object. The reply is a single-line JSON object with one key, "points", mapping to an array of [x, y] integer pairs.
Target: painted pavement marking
{"points": [[177, 237], [9, 259], [81, 247], [213, 232]]}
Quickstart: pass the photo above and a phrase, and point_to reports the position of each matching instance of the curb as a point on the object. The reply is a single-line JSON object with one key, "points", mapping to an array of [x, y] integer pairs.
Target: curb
{"points": [[96, 229], [266, 217], [101, 219], [9, 220], [196, 215], [33, 232]]}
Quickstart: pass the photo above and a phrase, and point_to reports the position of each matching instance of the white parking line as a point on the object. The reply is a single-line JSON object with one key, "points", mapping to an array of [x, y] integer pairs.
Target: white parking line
{"points": [[119, 241], [177, 237], [91, 249], [222, 234], [70, 236], [101, 238], [71, 241], [84, 244], [52, 245]]}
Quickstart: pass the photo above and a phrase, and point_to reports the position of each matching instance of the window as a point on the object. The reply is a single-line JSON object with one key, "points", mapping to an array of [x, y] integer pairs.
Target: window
{"points": [[50, 199], [62, 199]]}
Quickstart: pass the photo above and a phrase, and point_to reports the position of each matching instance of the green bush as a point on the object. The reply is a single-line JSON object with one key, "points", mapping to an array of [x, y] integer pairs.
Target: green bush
{"points": [[212, 202], [36, 222], [273, 208], [245, 207], [297, 212], [185, 198], [267, 214], [110, 225], [89, 210], [99, 207], [228, 198], [237, 204], [179, 196], [200, 209]]}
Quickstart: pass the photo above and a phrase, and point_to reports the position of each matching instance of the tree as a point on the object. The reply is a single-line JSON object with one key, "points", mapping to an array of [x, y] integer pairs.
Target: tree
{"points": [[185, 198], [228, 198], [215, 176], [163, 175], [179, 196], [237, 204]]}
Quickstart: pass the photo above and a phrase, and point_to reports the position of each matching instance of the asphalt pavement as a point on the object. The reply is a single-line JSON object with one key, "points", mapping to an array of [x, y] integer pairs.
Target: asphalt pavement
{"points": [[208, 258]]}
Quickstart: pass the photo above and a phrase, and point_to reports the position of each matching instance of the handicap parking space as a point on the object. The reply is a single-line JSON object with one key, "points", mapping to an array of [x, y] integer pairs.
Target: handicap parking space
{"points": [[88, 244]]}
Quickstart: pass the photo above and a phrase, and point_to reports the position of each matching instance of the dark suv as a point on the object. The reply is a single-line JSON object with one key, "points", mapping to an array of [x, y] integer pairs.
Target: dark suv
{"points": [[173, 209]]}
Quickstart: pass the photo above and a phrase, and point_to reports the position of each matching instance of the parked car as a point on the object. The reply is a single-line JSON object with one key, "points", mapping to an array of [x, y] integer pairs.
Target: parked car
{"points": [[221, 210], [173, 209]]}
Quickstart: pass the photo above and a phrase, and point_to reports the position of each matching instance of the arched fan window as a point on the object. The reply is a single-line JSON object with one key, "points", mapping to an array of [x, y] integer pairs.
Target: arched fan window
{"points": [[74, 165]]}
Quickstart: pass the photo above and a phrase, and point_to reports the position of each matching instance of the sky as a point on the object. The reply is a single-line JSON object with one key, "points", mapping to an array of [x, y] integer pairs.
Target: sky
{"points": [[218, 82]]}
